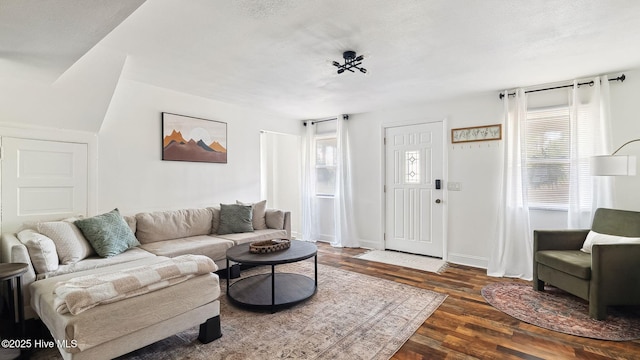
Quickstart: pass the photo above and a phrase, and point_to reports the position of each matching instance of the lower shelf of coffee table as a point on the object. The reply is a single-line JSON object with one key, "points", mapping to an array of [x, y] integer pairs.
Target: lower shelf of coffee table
{"points": [[255, 291]]}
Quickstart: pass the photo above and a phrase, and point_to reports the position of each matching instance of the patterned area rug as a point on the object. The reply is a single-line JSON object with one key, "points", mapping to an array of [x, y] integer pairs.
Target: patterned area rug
{"points": [[418, 262], [352, 316], [560, 311]]}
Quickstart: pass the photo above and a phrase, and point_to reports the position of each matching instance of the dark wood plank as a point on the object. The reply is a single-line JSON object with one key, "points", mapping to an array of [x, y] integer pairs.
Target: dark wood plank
{"points": [[466, 327]]}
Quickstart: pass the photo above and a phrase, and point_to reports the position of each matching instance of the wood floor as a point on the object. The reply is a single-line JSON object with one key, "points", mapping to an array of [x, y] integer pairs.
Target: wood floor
{"points": [[466, 327]]}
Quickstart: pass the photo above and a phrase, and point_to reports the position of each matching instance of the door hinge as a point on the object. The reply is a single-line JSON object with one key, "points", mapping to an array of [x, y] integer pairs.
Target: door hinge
{"points": [[1, 152], [384, 236], [384, 140], [384, 188]]}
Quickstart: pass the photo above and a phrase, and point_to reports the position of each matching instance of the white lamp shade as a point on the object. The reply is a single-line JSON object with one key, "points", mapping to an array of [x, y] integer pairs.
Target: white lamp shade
{"points": [[613, 165]]}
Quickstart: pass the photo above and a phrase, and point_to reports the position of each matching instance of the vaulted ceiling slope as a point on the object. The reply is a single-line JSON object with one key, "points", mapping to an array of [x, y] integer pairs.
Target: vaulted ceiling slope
{"points": [[277, 54]]}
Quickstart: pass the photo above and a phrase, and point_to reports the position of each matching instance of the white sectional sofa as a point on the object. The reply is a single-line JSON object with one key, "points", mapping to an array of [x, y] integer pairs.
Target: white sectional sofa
{"points": [[161, 235]]}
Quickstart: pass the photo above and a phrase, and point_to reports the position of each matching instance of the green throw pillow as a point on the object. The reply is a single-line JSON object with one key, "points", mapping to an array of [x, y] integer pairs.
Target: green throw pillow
{"points": [[235, 219], [108, 234]]}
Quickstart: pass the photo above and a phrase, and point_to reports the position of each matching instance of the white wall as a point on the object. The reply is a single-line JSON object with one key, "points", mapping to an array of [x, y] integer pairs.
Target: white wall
{"points": [[625, 114], [132, 175], [472, 211]]}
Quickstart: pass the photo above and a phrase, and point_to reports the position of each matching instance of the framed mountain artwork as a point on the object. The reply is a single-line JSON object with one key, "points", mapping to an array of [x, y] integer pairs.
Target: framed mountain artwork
{"points": [[186, 138]]}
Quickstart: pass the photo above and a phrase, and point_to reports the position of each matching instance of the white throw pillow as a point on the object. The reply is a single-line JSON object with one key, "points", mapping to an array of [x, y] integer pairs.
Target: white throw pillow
{"points": [[42, 251], [71, 245], [597, 238]]}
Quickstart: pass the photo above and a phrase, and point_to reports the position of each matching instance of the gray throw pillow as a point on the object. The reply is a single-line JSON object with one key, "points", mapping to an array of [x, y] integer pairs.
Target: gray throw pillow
{"points": [[235, 218], [108, 233], [259, 208]]}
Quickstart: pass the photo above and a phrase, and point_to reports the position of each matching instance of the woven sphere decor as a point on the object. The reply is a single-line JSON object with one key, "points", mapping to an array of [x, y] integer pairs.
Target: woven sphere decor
{"points": [[268, 246]]}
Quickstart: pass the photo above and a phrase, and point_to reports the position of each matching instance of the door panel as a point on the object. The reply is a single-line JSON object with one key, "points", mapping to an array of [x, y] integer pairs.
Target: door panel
{"points": [[42, 180], [414, 159]]}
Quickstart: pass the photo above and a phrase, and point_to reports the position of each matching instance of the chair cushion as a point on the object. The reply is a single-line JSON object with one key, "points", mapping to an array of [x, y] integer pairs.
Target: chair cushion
{"points": [[258, 235], [214, 248], [274, 219], [111, 321], [96, 262], [572, 262], [176, 224]]}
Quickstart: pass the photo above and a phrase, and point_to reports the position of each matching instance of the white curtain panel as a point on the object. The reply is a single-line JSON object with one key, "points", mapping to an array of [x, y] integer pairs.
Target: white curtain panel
{"points": [[512, 251], [590, 135], [309, 224], [345, 232]]}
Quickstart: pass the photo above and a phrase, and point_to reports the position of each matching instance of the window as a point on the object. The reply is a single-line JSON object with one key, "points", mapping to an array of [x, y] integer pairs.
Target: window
{"points": [[326, 161], [412, 167], [548, 156]]}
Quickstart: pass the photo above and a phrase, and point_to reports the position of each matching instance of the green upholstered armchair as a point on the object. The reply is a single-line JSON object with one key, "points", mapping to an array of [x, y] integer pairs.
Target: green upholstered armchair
{"points": [[610, 275]]}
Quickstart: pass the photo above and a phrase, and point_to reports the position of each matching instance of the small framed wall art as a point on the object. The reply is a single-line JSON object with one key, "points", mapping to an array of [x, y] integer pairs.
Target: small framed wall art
{"points": [[186, 138], [476, 133]]}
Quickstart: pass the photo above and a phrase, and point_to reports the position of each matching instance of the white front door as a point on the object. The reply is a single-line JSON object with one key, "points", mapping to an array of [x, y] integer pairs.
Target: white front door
{"points": [[42, 180], [414, 206]]}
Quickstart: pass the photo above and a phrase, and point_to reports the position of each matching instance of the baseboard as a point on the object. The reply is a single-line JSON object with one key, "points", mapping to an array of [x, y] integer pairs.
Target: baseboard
{"points": [[371, 244], [468, 260]]}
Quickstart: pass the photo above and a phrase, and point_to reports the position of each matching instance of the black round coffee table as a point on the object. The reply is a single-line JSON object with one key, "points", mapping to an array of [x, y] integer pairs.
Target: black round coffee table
{"points": [[272, 290]]}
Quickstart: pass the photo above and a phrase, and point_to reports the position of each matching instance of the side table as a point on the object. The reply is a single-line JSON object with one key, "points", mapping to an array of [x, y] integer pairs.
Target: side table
{"points": [[9, 272]]}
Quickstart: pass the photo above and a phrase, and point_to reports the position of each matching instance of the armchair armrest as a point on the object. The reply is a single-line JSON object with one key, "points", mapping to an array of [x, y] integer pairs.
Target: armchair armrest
{"points": [[12, 250], [615, 277], [558, 239]]}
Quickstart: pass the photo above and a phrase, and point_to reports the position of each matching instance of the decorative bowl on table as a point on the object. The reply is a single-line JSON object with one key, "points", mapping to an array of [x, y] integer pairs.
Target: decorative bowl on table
{"points": [[269, 246]]}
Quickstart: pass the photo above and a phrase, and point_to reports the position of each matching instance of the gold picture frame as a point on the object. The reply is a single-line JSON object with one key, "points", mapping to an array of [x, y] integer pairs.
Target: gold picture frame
{"points": [[476, 133]]}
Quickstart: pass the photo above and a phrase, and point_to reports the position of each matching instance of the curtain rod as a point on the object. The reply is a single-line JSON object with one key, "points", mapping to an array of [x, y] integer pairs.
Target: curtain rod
{"points": [[345, 117], [620, 78]]}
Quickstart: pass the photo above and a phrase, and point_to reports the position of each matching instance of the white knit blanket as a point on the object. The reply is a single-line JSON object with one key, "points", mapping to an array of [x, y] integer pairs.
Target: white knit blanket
{"points": [[85, 292]]}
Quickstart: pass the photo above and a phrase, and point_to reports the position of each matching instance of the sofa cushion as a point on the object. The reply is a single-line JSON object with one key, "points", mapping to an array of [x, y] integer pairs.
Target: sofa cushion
{"points": [[131, 221], [168, 225], [214, 248], [572, 262], [597, 238], [42, 250], [215, 218], [111, 321], [274, 219], [108, 233], [258, 235], [235, 218], [71, 245], [95, 262], [257, 214]]}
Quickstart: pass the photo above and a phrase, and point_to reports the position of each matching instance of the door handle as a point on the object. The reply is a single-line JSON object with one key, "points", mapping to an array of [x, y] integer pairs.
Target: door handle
{"points": [[438, 201]]}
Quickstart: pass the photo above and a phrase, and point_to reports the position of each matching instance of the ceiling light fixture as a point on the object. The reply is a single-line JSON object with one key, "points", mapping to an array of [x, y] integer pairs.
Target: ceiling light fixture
{"points": [[350, 62]]}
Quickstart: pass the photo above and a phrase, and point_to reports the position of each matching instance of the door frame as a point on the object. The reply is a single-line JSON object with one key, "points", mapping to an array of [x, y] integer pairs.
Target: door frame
{"points": [[445, 174]]}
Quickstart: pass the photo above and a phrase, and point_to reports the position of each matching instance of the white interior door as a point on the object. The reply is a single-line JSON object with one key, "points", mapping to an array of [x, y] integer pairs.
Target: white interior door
{"points": [[42, 180], [414, 206]]}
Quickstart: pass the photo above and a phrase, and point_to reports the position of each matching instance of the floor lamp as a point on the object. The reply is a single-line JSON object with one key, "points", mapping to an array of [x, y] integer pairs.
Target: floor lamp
{"points": [[614, 165]]}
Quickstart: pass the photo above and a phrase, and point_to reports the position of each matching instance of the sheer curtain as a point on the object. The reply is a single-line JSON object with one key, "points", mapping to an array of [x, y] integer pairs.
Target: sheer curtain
{"points": [[345, 234], [309, 224], [590, 135], [512, 250]]}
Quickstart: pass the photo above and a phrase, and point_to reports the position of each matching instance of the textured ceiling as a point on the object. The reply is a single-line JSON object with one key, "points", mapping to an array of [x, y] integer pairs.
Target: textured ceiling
{"points": [[277, 54]]}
